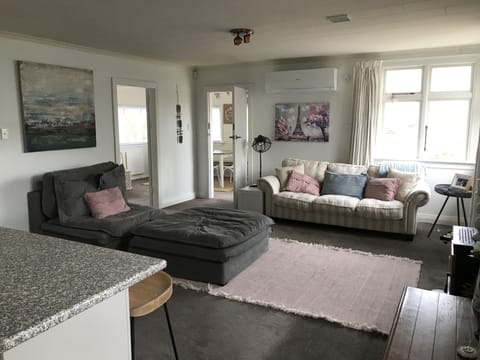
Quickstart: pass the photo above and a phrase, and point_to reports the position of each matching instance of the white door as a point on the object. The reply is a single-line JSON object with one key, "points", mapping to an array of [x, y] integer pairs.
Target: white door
{"points": [[240, 139]]}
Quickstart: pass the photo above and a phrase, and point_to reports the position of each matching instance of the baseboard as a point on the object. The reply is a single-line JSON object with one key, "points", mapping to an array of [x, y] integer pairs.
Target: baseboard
{"points": [[443, 220], [183, 198]]}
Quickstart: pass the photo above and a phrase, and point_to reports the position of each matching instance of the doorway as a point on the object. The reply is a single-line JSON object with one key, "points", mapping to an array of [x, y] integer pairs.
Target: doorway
{"points": [[228, 142], [221, 132], [133, 134]]}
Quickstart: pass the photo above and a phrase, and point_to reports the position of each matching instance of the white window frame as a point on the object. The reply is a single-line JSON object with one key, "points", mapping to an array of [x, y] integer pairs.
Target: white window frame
{"points": [[216, 141], [426, 95]]}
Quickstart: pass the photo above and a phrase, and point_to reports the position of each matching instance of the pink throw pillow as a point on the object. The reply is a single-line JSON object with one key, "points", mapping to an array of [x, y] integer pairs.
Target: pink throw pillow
{"points": [[382, 188], [106, 202], [298, 182]]}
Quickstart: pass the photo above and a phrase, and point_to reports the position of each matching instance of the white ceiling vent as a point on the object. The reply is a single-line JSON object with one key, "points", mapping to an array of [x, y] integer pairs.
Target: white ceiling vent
{"points": [[324, 79]]}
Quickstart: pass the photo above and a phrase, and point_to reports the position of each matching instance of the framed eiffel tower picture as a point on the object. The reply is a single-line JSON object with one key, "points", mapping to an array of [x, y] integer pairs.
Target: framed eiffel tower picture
{"points": [[308, 122]]}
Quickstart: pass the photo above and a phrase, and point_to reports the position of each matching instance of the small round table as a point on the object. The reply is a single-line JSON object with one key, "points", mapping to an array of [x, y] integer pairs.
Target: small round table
{"points": [[449, 191]]}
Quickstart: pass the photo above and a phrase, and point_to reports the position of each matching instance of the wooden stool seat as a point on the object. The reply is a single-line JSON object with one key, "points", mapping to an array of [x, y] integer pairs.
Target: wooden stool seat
{"points": [[149, 294]]}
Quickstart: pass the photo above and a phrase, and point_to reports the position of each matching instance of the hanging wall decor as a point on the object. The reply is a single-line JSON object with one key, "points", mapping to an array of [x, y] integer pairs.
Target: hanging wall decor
{"points": [[302, 122], [58, 107], [227, 113], [179, 121]]}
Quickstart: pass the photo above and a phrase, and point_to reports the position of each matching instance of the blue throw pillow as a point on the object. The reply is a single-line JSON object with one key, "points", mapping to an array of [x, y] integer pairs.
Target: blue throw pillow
{"points": [[344, 184]]}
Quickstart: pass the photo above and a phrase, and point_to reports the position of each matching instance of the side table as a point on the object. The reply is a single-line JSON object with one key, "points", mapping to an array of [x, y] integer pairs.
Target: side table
{"points": [[250, 198], [449, 191]]}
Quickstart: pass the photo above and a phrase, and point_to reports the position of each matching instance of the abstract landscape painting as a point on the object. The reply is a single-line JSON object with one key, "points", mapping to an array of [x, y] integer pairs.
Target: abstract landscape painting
{"points": [[302, 122], [58, 107]]}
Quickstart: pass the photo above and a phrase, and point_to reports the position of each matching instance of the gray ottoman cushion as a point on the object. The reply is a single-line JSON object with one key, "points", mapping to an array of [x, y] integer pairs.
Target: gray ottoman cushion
{"points": [[204, 244], [207, 227]]}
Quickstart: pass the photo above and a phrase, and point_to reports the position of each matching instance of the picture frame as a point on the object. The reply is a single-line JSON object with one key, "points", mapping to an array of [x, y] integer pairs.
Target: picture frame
{"points": [[227, 113], [462, 182], [57, 104], [305, 122]]}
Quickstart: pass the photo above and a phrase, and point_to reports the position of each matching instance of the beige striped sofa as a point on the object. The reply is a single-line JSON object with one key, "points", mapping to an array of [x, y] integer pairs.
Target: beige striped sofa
{"points": [[370, 214]]}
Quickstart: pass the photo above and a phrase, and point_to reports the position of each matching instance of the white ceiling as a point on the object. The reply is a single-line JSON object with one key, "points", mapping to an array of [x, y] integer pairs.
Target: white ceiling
{"points": [[196, 32]]}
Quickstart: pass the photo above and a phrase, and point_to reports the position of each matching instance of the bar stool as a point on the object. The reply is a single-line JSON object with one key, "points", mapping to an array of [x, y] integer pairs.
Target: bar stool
{"points": [[145, 297]]}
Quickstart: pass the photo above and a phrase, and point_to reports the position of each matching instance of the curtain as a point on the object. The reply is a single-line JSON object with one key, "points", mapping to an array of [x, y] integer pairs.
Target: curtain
{"points": [[475, 209], [366, 100]]}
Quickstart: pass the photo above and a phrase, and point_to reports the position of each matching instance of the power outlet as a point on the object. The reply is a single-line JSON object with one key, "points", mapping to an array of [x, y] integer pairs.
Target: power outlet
{"points": [[4, 134]]}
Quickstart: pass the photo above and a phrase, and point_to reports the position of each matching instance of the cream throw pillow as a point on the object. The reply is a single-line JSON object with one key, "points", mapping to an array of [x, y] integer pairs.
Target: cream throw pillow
{"points": [[407, 182], [283, 174]]}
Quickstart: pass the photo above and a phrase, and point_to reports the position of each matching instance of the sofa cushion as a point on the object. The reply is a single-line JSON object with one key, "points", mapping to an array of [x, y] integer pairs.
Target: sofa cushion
{"points": [[287, 199], [113, 178], [346, 168], [117, 225], [312, 168], [69, 195], [335, 204], [302, 184], [49, 201], [344, 184], [381, 188], [407, 182], [283, 174], [106, 202], [378, 209]]}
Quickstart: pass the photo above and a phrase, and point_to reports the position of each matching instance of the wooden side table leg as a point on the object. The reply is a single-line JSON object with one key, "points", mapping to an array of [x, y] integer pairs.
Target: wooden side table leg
{"points": [[438, 216]]}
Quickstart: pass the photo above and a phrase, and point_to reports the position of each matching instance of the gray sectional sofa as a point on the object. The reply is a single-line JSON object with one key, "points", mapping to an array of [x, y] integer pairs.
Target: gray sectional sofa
{"points": [[397, 216], [57, 208]]}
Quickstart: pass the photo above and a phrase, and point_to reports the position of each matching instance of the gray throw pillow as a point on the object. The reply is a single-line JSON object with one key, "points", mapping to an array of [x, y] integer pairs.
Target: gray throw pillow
{"points": [[69, 194], [113, 178], [344, 184]]}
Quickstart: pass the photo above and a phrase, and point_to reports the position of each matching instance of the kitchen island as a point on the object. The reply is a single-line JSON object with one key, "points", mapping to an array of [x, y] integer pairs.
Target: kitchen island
{"points": [[61, 299]]}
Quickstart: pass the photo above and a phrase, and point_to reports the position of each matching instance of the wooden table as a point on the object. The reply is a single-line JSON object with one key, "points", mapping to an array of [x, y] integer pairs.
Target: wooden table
{"points": [[430, 325]]}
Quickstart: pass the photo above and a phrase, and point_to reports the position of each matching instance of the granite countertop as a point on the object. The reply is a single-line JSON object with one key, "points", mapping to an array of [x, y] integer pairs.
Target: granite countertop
{"points": [[45, 281]]}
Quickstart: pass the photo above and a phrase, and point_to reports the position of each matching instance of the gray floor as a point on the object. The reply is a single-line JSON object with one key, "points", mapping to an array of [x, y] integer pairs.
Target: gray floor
{"points": [[208, 327]]}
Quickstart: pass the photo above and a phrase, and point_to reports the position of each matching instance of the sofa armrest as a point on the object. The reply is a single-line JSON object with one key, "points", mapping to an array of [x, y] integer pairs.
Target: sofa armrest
{"points": [[419, 195], [270, 185], [35, 214]]}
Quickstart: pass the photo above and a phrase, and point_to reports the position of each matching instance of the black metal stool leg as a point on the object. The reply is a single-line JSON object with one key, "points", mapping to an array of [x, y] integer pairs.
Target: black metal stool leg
{"points": [[464, 214], [170, 330], [458, 212], [132, 336], [438, 216]]}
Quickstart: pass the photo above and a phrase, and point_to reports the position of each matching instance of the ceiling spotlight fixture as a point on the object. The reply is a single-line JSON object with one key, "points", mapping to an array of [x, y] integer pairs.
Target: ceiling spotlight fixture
{"points": [[242, 36]]}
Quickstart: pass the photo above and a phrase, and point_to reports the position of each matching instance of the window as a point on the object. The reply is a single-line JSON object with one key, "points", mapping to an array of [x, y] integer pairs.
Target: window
{"points": [[132, 123], [426, 113], [216, 124]]}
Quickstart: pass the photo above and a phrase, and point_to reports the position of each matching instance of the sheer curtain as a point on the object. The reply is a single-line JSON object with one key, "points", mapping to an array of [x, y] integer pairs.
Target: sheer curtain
{"points": [[366, 100], [475, 210]]}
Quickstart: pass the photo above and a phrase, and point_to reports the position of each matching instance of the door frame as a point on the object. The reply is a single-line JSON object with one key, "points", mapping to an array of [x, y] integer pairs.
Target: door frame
{"points": [[151, 91], [206, 99]]}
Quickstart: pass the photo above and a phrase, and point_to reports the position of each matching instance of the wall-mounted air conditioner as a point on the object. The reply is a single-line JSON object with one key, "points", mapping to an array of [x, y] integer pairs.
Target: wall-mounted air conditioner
{"points": [[324, 79]]}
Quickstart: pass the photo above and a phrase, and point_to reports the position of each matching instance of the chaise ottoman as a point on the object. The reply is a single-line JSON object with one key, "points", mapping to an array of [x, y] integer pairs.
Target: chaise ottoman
{"points": [[204, 244]]}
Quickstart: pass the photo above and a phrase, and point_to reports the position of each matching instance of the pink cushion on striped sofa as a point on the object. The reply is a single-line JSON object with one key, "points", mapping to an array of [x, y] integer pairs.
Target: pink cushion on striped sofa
{"points": [[106, 202], [301, 183], [382, 188]]}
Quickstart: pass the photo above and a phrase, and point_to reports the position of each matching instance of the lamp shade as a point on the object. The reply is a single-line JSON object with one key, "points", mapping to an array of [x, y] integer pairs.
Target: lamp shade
{"points": [[261, 144]]}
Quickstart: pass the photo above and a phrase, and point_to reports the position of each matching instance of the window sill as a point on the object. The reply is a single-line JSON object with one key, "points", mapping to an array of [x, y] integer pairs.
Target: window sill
{"points": [[460, 165]]}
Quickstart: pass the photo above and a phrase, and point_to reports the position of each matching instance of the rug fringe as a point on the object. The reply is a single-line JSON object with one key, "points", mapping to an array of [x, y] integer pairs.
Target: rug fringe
{"points": [[366, 253], [215, 291]]}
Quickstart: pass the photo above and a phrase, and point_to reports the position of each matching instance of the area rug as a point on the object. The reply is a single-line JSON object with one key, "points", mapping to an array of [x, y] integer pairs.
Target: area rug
{"points": [[356, 289]]}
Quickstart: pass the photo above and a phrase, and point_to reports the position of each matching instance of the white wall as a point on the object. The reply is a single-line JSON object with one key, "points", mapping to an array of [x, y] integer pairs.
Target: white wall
{"points": [[19, 170], [261, 112]]}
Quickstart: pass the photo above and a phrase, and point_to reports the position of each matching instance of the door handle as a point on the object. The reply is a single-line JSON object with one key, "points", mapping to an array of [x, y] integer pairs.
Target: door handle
{"points": [[235, 137]]}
